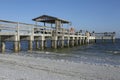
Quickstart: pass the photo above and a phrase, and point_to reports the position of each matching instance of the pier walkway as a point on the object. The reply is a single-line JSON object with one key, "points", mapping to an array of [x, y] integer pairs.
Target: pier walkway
{"points": [[59, 36]]}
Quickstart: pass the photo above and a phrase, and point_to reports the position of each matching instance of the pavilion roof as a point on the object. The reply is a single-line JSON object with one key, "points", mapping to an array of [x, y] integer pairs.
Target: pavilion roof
{"points": [[49, 19]]}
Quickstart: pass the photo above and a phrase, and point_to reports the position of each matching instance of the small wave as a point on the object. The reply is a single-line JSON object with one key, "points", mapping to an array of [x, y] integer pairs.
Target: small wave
{"points": [[114, 52]]}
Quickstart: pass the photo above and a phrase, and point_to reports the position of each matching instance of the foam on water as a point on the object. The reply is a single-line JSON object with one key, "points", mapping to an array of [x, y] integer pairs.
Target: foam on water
{"points": [[103, 53]]}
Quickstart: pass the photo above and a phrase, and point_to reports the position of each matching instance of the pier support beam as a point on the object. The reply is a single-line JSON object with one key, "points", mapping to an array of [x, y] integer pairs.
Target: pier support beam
{"points": [[62, 42], [80, 41], [83, 41], [113, 39], [16, 44], [30, 45], [45, 43], [72, 42], [59, 42], [103, 40], [37, 44], [19, 46], [90, 41], [76, 42], [87, 40], [95, 41], [3, 47], [68, 42], [87, 34], [42, 42], [54, 42]]}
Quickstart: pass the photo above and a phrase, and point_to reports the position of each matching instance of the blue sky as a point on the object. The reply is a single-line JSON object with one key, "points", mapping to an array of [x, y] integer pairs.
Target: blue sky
{"points": [[97, 15]]}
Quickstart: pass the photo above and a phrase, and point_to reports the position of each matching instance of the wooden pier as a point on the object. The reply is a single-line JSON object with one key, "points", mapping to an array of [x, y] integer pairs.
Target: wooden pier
{"points": [[105, 36], [17, 31]]}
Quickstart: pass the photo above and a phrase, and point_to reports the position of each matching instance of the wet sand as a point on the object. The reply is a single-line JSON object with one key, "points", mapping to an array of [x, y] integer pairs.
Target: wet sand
{"points": [[16, 67]]}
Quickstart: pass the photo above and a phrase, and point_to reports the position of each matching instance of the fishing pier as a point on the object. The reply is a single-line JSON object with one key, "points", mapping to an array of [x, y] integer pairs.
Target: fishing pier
{"points": [[59, 36], [105, 36]]}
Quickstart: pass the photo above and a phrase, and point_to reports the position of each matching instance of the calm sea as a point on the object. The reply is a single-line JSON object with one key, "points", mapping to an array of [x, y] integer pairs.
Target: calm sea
{"points": [[103, 53]]}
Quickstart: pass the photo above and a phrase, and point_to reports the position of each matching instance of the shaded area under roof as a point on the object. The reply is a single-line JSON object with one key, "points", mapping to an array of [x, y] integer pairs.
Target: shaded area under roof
{"points": [[49, 19]]}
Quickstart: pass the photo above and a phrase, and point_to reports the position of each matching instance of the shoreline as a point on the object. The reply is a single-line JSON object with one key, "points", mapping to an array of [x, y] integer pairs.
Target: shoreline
{"points": [[16, 67]]}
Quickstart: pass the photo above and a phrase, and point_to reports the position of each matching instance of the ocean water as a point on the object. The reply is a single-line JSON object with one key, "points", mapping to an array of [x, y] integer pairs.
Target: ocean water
{"points": [[102, 53]]}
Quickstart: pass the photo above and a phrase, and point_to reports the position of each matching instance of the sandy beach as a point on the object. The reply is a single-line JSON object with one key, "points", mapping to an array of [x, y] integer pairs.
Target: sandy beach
{"points": [[16, 67]]}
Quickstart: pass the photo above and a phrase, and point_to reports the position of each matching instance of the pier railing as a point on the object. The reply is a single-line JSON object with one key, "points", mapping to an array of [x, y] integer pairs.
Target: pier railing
{"points": [[14, 28], [18, 28], [42, 30], [9, 27]]}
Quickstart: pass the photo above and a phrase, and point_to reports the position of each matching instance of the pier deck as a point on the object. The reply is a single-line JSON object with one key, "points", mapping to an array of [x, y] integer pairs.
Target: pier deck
{"points": [[17, 31]]}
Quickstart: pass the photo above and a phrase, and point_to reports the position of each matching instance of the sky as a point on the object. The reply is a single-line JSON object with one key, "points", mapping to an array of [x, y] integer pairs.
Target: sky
{"points": [[91, 15]]}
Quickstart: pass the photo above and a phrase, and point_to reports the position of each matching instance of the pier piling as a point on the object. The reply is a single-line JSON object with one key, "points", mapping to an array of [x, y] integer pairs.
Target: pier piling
{"points": [[30, 45], [16, 46], [68, 42], [54, 42], [80, 41], [37, 44], [62, 42], [3, 47]]}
